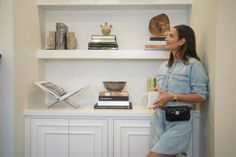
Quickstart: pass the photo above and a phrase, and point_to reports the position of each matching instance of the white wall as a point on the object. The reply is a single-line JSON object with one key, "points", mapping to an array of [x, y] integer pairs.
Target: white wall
{"points": [[225, 76], [19, 41], [6, 79], [26, 42], [215, 27], [204, 23]]}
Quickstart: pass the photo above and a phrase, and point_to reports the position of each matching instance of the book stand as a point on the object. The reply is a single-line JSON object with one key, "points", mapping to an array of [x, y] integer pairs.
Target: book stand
{"points": [[57, 101], [63, 98]]}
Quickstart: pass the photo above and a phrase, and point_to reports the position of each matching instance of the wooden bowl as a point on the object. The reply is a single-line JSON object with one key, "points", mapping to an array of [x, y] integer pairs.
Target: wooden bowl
{"points": [[114, 85]]}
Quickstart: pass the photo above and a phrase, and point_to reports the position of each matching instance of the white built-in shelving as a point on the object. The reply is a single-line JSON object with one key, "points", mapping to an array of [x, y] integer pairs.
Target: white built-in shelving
{"points": [[104, 54], [173, 4], [71, 68], [131, 62]]}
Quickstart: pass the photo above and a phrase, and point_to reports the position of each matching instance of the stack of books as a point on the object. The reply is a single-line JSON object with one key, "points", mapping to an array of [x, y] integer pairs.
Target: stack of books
{"points": [[155, 43], [113, 100], [103, 42]]}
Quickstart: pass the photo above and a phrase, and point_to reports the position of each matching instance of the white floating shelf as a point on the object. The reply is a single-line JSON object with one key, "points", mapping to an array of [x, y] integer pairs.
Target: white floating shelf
{"points": [[104, 54], [92, 4], [79, 2]]}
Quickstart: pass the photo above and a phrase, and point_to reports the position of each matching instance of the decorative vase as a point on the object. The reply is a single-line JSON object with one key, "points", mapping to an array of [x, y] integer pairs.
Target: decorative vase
{"points": [[106, 28]]}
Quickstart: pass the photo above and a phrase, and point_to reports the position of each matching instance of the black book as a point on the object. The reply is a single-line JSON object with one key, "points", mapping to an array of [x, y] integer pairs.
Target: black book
{"points": [[161, 38], [96, 106], [113, 98], [102, 48], [102, 44]]}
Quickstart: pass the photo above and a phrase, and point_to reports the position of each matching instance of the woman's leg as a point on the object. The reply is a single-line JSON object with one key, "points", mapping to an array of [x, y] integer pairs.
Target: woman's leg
{"points": [[152, 154]]}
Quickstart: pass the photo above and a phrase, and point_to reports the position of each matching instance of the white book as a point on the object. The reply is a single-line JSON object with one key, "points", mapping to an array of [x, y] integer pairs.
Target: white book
{"points": [[103, 40], [57, 91], [150, 42], [93, 37], [113, 103]]}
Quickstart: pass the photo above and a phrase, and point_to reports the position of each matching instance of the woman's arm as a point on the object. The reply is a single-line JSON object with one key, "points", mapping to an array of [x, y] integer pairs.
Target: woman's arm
{"points": [[192, 98], [166, 96]]}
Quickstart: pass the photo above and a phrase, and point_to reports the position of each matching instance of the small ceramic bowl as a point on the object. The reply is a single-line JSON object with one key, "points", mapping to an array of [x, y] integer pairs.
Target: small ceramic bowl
{"points": [[114, 85]]}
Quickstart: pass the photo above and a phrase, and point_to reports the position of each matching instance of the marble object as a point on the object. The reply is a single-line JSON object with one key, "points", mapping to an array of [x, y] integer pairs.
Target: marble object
{"points": [[51, 40], [71, 40], [62, 29]]}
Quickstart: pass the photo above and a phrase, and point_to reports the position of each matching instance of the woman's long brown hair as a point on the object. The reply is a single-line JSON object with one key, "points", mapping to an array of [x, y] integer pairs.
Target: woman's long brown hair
{"points": [[188, 49]]}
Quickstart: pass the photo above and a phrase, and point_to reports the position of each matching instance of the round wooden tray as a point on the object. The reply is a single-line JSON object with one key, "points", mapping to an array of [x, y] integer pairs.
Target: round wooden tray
{"points": [[159, 25]]}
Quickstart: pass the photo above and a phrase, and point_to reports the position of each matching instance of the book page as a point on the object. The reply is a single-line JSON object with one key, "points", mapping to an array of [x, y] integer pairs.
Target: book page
{"points": [[51, 88]]}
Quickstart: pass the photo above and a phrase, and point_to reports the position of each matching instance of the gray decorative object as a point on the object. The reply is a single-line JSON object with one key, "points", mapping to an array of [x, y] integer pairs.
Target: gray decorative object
{"points": [[71, 40], [51, 40], [62, 29]]}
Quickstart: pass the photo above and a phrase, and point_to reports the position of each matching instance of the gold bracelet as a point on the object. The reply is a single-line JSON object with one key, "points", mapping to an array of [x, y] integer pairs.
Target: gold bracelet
{"points": [[175, 97]]}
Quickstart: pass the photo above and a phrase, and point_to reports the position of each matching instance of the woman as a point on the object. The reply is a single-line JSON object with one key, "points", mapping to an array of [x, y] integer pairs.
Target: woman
{"points": [[182, 81]]}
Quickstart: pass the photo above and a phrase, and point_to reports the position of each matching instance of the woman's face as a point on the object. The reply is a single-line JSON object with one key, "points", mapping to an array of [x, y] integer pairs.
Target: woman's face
{"points": [[172, 40]]}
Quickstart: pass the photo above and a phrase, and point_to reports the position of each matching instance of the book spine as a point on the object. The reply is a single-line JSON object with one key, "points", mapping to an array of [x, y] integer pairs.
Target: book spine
{"points": [[93, 37], [156, 42], [113, 98], [104, 40], [163, 38], [96, 106], [113, 107], [155, 47], [102, 48], [103, 43], [113, 103], [113, 93]]}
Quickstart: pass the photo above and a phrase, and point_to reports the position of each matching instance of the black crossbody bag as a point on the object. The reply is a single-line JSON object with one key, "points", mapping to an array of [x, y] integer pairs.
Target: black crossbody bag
{"points": [[177, 113]]}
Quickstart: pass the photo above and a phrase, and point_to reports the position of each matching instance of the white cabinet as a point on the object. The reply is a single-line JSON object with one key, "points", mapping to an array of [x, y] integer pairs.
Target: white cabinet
{"points": [[87, 138], [68, 137], [49, 137], [93, 133], [131, 137]]}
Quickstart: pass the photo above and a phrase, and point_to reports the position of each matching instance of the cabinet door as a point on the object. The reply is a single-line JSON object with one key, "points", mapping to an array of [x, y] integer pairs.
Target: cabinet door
{"points": [[88, 138], [131, 138], [49, 138]]}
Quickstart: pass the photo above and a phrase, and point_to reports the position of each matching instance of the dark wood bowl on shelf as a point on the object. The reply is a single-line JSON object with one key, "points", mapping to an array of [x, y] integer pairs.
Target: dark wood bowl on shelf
{"points": [[114, 85]]}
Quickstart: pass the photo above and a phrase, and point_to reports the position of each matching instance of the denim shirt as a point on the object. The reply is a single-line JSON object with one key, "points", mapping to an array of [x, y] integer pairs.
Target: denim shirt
{"points": [[183, 78]]}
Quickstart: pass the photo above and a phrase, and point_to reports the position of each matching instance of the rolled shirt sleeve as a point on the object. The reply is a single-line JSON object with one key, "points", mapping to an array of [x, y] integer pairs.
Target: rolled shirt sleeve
{"points": [[199, 80]]}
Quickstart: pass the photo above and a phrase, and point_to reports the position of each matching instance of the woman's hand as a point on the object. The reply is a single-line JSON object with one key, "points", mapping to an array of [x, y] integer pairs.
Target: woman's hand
{"points": [[163, 99]]}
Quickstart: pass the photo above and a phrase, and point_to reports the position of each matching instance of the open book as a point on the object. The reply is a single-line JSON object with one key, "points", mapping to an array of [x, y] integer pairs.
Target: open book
{"points": [[56, 91]]}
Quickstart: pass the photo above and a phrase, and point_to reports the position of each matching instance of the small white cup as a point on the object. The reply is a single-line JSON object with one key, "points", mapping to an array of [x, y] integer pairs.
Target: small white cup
{"points": [[152, 97]]}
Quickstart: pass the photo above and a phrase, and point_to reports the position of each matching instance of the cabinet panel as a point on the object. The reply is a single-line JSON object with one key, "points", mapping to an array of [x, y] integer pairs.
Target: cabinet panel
{"points": [[95, 134], [88, 138], [49, 138], [131, 138]]}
